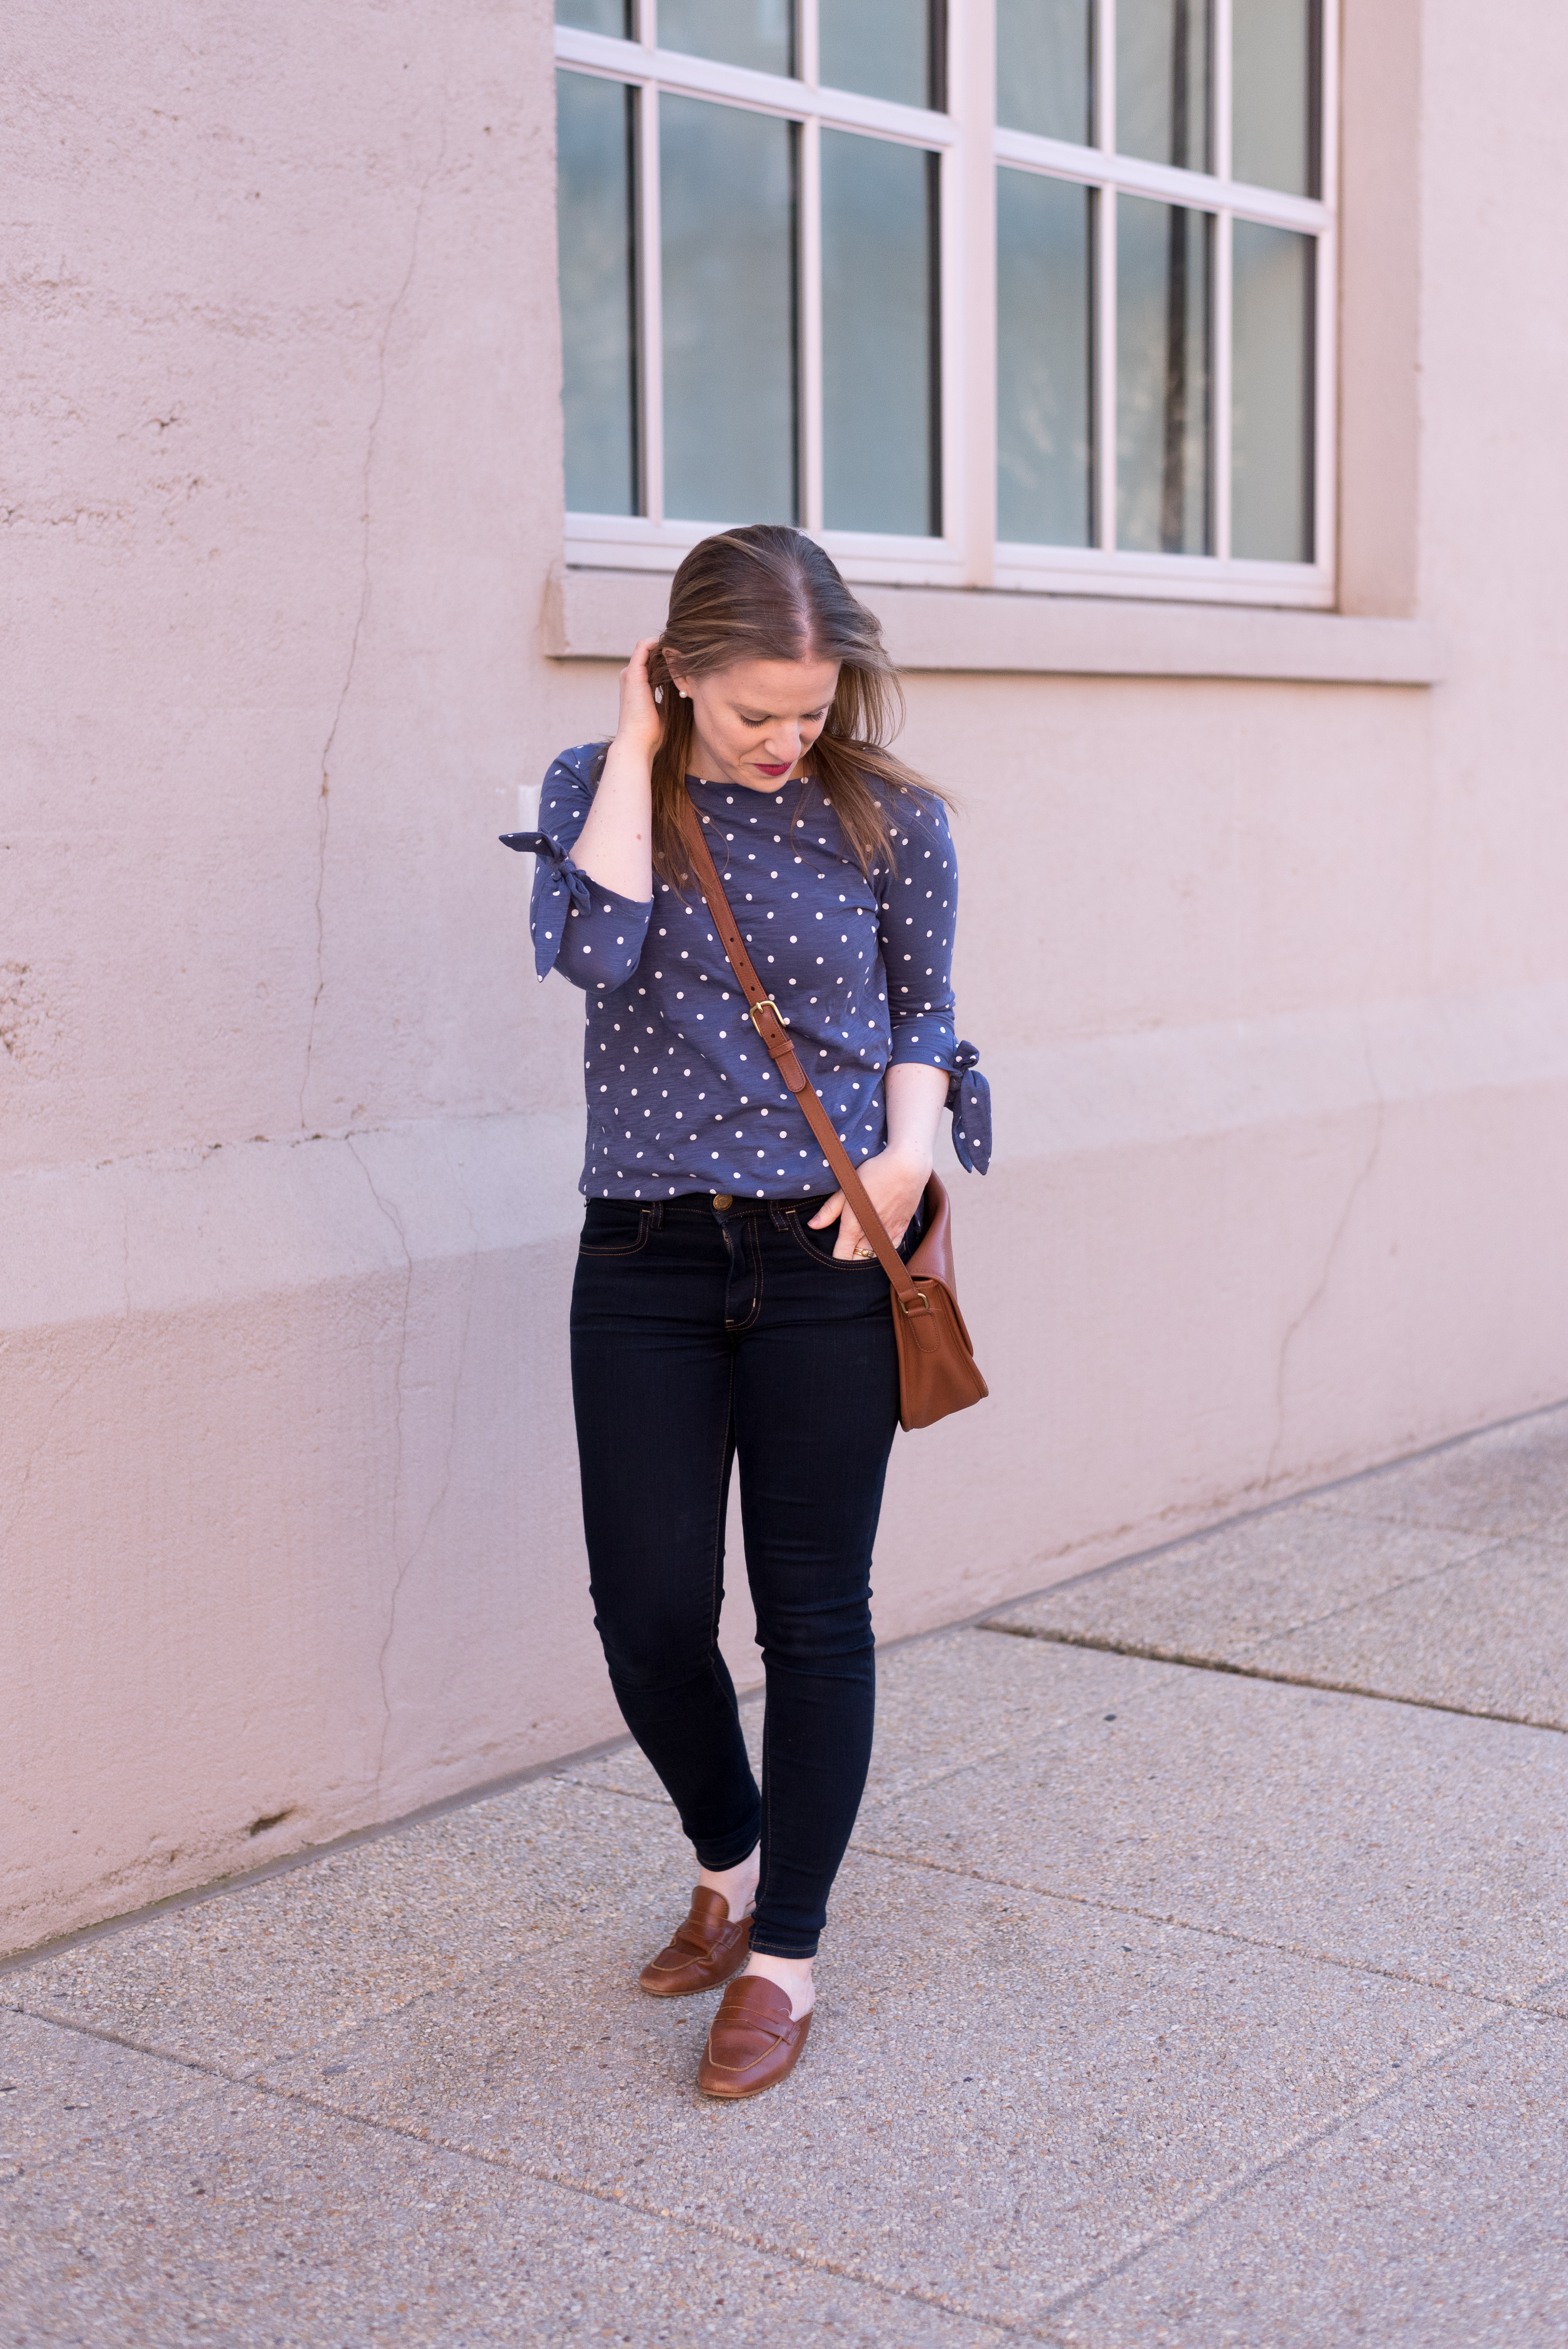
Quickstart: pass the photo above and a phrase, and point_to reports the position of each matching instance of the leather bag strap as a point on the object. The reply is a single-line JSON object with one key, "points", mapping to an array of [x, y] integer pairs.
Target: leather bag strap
{"points": [[769, 1023]]}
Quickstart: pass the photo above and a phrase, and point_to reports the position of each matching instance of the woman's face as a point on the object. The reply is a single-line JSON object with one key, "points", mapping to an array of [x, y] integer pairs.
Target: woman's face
{"points": [[756, 720]]}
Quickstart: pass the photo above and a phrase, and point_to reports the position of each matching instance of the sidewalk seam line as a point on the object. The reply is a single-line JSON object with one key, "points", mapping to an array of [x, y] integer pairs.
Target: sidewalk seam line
{"points": [[1026, 2329], [1142, 1653], [1222, 2195], [815, 2263], [1509, 2001], [1386, 1590]]}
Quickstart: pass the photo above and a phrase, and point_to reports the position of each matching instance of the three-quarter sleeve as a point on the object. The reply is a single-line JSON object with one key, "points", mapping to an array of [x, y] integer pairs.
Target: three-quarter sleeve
{"points": [[918, 901], [592, 936], [919, 914]]}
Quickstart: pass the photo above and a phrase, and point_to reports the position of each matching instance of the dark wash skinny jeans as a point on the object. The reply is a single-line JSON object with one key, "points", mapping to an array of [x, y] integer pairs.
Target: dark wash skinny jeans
{"points": [[699, 1333]]}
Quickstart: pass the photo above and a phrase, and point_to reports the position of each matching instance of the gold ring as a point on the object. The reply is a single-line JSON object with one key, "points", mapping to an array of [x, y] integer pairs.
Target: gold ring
{"points": [[864, 1250]]}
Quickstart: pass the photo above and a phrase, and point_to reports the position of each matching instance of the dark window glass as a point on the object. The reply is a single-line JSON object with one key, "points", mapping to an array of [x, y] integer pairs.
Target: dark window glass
{"points": [[1271, 287], [1162, 81], [879, 411], [886, 48], [612, 17], [1163, 267], [598, 280], [728, 252], [1045, 68], [1044, 367], [755, 32], [1274, 46]]}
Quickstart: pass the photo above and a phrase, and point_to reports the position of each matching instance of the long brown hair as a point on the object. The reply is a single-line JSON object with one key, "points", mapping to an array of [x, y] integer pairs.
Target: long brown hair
{"points": [[770, 593]]}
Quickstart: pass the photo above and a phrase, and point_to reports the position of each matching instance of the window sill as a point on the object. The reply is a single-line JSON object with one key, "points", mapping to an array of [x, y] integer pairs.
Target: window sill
{"points": [[600, 614]]}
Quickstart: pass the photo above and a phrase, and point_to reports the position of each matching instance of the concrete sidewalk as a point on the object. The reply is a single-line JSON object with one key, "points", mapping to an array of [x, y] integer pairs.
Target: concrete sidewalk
{"points": [[1199, 1975]]}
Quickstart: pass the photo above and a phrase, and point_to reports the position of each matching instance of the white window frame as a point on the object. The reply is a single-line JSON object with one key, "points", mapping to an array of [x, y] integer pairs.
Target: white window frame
{"points": [[970, 146], [1104, 569]]}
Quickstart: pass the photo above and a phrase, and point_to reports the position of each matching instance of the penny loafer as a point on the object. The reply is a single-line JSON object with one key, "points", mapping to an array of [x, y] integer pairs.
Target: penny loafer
{"points": [[704, 1952], [752, 2042]]}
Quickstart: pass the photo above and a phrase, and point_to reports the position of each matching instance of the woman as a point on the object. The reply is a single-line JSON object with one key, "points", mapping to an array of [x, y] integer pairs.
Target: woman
{"points": [[725, 1303]]}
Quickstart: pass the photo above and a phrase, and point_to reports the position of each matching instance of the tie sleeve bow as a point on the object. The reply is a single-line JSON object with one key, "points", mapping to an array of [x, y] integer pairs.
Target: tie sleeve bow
{"points": [[562, 886], [969, 1098]]}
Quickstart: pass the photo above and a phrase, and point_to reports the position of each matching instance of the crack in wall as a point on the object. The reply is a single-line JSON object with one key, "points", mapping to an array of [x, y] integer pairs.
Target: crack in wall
{"points": [[431, 1513], [403, 1565], [323, 800], [394, 1219], [1357, 1185]]}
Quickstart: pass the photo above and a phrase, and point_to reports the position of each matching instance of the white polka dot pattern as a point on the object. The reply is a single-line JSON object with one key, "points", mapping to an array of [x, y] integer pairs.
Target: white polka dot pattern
{"points": [[681, 1095]]}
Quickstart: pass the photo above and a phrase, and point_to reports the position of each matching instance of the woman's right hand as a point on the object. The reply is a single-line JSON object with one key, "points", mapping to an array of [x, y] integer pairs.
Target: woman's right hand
{"points": [[615, 846], [641, 721]]}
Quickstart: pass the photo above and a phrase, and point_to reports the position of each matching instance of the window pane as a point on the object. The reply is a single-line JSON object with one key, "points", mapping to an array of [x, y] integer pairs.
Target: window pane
{"points": [[755, 32], [1162, 81], [612, 17], [1275, 94], [1044, 476], [1162, 270], [1045, 51], [727, 245], [597, 291], [879, 467], [1272, 286], [885, 47]]}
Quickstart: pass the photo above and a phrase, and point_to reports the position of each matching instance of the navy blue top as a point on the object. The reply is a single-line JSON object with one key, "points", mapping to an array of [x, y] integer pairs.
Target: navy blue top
{"points": [[682, 1095]]}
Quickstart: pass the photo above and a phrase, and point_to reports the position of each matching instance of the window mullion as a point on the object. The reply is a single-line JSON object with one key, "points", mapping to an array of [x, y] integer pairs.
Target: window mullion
{"points": [[1325, 484], [806, 42], [1219, 364], [1221, 94], [1328, 108], [809, 356], [1220, 426], [1104, 76], [811, 350], [1105, 370], [967, 293], [1326, 499], [650, 339], [1105, 283]]}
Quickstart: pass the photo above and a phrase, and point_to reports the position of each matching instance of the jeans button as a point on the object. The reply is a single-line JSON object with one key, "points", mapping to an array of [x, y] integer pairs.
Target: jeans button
{"points": [[723, 1199]]}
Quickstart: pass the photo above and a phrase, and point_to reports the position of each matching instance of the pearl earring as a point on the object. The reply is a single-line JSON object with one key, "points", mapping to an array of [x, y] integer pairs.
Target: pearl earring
{"points": [[658, 693]]}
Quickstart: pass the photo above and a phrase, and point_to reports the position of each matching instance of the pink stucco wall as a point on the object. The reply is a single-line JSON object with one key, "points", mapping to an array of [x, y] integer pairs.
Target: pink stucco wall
{"points": [[1271, 977]]}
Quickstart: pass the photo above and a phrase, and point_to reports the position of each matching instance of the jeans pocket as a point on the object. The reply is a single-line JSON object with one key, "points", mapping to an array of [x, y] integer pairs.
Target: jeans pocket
{"points": [[614, 1228], [819, 1245]]}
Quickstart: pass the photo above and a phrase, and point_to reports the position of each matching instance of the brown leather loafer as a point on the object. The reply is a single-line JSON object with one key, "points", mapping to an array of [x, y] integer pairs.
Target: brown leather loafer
{"points": [[705, 1951], [752, 2042]]}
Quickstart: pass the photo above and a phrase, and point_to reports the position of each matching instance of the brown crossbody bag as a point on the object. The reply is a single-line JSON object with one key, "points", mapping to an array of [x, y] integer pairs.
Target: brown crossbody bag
{"points": [[937, 1372]]}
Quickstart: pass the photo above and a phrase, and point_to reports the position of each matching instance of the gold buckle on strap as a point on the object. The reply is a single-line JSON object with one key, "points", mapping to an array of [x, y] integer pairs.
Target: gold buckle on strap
{"points": [[919, 1299], [767, 1004]]}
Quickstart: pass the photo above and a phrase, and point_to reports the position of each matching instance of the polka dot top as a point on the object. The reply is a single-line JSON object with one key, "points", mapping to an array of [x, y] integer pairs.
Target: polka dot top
{"points": [[681, 1095]]}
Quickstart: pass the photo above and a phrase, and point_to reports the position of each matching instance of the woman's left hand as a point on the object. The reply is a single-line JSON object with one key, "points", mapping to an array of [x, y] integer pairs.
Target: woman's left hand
{"points": [[895, 1181]]}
